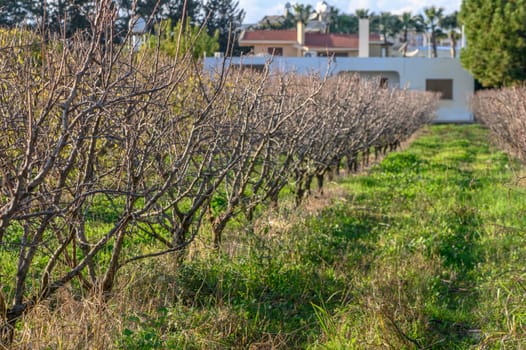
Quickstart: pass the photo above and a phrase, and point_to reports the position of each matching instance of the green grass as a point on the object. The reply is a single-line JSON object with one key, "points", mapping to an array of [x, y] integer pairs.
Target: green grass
{"points": [[426, 250]]}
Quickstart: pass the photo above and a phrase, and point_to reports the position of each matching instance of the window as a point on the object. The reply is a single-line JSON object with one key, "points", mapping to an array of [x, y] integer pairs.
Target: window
{"points": [[443, 86], [275, 51]]}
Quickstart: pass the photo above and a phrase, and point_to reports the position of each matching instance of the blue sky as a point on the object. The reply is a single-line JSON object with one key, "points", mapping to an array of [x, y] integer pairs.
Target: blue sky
{"points": [[257, 9]]}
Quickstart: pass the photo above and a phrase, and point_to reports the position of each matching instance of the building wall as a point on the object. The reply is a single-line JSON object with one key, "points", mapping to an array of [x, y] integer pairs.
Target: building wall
{"points": [[412, 73], [288, 50], [325, 53], [392, 78], [375, 50]]}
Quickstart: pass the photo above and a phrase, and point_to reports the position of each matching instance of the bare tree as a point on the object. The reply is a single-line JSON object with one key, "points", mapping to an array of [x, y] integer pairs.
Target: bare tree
{"points": [[90, 127], [504, 112], [259, 109], [356, 115], [109, 156]]}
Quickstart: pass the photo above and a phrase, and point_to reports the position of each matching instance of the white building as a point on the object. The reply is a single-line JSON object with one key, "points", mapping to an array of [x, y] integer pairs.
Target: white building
{"points": [[443, 74]]}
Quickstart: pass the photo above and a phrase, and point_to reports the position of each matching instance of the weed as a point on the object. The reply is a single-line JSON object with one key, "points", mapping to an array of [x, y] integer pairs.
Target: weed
{"points": [[426, 250]]}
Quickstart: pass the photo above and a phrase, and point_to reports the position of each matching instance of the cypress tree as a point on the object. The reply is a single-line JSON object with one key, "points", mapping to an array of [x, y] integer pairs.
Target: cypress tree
{"points": [[496, 41]]}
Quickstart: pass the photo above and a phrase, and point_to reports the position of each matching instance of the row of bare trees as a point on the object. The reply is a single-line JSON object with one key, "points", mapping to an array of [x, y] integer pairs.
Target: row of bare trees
{"points": [[504, 112], [109, 156]]}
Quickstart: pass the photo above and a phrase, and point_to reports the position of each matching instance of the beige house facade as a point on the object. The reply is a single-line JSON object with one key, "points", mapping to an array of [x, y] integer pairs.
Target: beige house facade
{"points": [[443, 75], [300, 43]]}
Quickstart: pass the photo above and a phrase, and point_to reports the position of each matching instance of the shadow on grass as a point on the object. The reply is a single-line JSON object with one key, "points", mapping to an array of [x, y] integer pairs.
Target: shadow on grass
{"points": [[275, 293], [404, 248], [457, 244], [457, 228], [434, 183]]}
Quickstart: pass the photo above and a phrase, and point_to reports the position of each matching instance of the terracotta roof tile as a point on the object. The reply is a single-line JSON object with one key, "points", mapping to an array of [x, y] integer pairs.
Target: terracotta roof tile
{"points": [[314, 40], [331, 40], [265, 35]]}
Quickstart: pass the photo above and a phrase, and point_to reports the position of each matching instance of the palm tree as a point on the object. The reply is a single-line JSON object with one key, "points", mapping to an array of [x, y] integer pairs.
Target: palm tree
{"points": [[301, 12], [388, 25], [344, 23], [450, 24], [432, 20], [363, 13], [408, 22], [367, 14]]}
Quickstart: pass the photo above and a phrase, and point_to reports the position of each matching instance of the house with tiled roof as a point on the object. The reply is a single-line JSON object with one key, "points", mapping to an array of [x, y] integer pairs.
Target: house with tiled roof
{"points": [[443, 75], [301, 43]]}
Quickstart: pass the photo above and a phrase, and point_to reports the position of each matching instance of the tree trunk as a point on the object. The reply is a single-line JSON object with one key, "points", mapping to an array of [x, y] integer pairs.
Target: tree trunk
{"points": [[319, 177], [453, 48], [434, 45]]}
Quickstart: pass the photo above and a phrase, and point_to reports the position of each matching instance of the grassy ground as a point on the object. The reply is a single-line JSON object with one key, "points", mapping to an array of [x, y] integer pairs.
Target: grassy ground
{"points": [[426, 250]]}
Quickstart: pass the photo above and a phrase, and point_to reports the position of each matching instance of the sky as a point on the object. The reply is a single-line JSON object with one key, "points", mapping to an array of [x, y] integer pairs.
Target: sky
{"points": [[257, 9]]}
